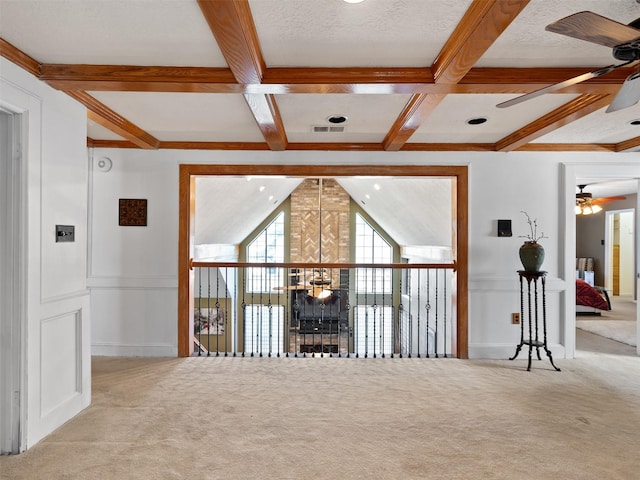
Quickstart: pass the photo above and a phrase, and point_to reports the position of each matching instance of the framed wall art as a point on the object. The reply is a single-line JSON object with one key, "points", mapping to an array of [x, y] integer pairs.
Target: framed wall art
{"points": [[132, 212]]}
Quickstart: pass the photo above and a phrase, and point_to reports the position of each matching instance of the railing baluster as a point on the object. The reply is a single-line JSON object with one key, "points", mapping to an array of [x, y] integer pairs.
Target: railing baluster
{"points": [[444, 307], [437, 340], [402, 309]]}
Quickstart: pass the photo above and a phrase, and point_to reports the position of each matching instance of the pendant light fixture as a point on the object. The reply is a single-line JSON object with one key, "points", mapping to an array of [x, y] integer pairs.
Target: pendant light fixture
{"points": [[320, 281]]}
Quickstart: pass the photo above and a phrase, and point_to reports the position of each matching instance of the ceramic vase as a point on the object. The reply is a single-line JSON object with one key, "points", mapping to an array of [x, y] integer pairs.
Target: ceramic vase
{"points": [[531, 256]]}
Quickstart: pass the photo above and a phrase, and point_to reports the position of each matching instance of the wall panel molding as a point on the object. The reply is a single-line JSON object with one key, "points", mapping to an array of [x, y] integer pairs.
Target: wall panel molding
{"points": [[141, 283]]}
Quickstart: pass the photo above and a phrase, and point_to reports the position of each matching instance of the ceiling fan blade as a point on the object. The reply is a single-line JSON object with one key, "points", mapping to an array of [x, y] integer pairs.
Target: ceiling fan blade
{"points": [[594, 28], [628, 95], [601, 200], [560, 86]]}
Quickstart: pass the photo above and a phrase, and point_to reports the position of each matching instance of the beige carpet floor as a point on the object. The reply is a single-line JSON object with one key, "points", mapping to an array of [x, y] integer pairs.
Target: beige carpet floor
{"points": [[329, 418], [619, 330], [617, 324]]}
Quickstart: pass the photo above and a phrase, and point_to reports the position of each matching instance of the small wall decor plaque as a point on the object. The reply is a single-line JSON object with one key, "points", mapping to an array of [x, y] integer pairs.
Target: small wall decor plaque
{"points": [[133, 212]]}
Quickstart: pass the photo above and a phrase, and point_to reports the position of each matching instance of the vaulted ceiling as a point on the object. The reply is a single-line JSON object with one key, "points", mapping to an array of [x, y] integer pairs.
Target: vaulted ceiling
{"points": [[261, 74]]}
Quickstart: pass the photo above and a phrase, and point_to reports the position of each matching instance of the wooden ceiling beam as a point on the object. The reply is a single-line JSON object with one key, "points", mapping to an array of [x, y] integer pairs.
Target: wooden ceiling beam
{"points": [[631, 144], [234, 30], [415, 112], [561, 116], [126, 78], [541, 76], [18, 57], [482, 24], [363, 147], [265, 111], [103, 115], [568, 147], [325, 88], [232, 26]]}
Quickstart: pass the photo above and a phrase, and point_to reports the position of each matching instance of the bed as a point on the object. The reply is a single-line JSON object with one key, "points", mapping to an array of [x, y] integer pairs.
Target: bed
{"points": [[591, 300]]}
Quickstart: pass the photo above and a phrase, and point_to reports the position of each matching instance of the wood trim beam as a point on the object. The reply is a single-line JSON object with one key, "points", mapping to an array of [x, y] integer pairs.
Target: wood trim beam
{"points": [[125, 78], [312, 171], [415, 112], [232, 26], [561, 116], [21, 59], [541, 76], [265, 111], [568, 147], [482, 24], [631, 144], [375, 147], [97, 143], [234, 30], [103, 115], [134, 78]]}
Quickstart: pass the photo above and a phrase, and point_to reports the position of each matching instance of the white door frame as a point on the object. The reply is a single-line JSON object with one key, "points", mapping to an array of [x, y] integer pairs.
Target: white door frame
{"points": [[571, 173], [12, 316]]}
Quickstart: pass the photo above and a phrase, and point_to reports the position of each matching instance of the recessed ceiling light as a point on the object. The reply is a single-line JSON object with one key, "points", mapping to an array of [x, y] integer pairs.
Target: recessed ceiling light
{"points": [[635, 122], [376, 186], [262, 187], [337, 118], [476, 121], [353, 1]]}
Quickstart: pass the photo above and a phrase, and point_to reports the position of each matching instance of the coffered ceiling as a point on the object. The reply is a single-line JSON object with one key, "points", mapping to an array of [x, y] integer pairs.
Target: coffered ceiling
{"points": [[261, 74]]}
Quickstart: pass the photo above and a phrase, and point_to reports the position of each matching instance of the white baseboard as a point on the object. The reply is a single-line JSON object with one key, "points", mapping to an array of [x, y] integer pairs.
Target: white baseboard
{"points": [[506, 351]]}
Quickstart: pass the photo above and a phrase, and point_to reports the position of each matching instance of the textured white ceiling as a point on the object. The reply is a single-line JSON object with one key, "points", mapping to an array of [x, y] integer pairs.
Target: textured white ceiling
{"points": [[317, 33], [129, 32], [186, 116], [332, 33], [525, 43], [446, 123], [308, 33]]}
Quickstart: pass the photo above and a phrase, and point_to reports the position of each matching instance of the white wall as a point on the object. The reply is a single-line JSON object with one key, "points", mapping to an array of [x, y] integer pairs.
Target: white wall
{"points": [[57, 362], [134, 310], [133, 270], [627, 237]]}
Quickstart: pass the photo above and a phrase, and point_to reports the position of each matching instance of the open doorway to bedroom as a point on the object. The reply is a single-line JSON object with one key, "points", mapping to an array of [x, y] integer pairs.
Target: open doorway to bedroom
{"points": [[606, 270]]}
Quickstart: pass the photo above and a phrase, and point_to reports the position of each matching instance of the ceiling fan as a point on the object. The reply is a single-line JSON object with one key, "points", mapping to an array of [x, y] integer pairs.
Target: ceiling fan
{"points": [[594, 28], [586, 204]]}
